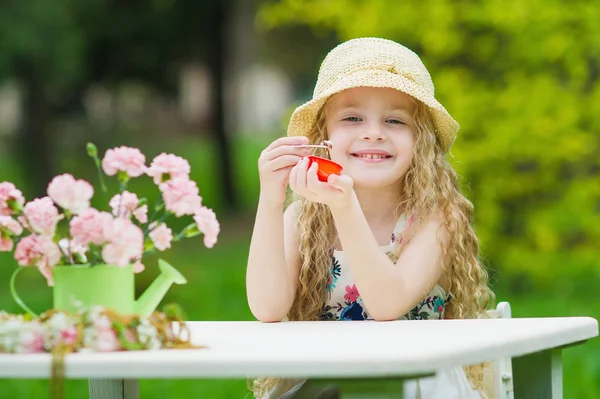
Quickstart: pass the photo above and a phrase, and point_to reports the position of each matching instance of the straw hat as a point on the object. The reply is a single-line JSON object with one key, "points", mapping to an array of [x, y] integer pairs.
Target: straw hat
{"points": [[374, 62]]}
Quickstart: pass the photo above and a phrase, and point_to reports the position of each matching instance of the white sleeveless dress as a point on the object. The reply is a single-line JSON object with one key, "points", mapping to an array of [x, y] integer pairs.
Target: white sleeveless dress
{"points": [[345, 304]]}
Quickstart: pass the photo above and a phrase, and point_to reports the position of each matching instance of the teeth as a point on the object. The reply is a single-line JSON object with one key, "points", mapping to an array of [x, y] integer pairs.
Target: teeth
{"points": [[372, 156]]}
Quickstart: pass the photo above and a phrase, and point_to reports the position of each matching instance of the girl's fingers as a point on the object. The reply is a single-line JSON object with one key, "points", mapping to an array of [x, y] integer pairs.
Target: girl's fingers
{"points": [[286, 150], [283, 161], [312, 181], [293, 178], [302, 174], [292, 140], [341, 182]]}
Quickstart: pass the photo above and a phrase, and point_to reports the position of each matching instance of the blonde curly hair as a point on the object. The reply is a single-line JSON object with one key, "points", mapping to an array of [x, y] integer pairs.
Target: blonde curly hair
{"points": [[430, 185]]}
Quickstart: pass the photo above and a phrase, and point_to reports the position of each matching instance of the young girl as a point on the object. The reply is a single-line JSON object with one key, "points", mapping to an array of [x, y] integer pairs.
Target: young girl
{"points": [[391, 237]]}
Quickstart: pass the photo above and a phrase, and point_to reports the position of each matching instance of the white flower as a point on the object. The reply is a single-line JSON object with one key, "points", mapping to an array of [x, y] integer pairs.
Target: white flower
{"points": [[148, 335]]}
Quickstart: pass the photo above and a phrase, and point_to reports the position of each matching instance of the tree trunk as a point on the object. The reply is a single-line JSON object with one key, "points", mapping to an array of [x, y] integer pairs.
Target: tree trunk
{"points": [[34, 144], [217, 62]]}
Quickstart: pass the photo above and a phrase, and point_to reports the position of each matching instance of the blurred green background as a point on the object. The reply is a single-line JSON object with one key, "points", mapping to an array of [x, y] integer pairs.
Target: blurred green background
{"points": [[215, 81]]}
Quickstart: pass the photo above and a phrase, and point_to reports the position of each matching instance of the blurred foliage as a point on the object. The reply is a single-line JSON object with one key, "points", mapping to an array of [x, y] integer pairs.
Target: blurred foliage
{"points": [[521, 77], [104, 41]]}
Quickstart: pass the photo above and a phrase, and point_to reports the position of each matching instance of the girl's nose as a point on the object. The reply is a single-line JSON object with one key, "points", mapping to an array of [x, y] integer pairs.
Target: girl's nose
{"points": [[373, 133]]}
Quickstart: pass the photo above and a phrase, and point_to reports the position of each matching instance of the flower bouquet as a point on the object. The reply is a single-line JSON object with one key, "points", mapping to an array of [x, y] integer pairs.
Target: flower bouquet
{"points": [[89, 256]]}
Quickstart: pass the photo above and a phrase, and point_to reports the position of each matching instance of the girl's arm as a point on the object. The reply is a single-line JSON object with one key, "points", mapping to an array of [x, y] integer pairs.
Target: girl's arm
{"points": [[390, 290], [272, 269]]}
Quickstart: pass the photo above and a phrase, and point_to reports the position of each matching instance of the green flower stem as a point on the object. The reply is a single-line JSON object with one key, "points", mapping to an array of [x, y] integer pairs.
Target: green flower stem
{"points": [[189, 231], [93, 153], [16, 296], [160, 204], [123, 178]]}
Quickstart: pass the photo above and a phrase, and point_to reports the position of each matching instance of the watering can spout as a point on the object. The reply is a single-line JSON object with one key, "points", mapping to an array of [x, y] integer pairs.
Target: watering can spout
{"points": [[149, 300]]}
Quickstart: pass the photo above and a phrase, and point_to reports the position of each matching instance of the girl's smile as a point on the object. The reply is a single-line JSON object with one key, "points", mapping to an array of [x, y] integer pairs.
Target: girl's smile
{"points": [[372, 156], [371, 129]]}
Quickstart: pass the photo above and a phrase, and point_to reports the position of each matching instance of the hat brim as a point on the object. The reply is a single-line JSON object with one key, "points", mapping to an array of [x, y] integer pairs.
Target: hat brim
{"points": [[305, 116]]}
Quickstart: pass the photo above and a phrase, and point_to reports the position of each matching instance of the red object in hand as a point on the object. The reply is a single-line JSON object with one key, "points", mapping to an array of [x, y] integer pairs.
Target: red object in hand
{"points": [[326, 167]]}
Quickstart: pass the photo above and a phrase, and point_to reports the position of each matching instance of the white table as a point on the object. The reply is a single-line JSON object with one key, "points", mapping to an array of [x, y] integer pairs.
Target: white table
{"points": [[366, 355]]}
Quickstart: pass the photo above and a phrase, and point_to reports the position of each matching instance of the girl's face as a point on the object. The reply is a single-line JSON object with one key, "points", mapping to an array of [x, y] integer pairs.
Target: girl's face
{"points": [[372, 135]]}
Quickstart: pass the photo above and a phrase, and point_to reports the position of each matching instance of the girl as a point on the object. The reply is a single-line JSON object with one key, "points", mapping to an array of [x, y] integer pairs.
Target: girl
{"points": [[391, 237]]}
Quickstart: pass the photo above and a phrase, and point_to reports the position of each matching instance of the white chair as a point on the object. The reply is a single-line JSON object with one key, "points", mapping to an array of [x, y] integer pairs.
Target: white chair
{"points": [[502, 368]]}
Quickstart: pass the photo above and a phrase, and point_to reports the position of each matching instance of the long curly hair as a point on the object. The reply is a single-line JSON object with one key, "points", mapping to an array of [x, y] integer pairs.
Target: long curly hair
{"points": [[430, 185]]}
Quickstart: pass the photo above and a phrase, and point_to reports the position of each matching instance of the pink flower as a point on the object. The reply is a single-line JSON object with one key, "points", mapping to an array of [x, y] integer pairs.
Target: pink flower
{"points": [[181, 196], [125, 159], [89, 226], [8, 193], [6, 244], [207, 223], [39, 251], [32, 339], [10, 225], [74, 250], [41, 216], [69, 335], [161, 236], [71, 194], [125, 204], [105, 337], [170, 165], [138, 267], [351, 293], [107, 341], [126, 243], [141, 214]]}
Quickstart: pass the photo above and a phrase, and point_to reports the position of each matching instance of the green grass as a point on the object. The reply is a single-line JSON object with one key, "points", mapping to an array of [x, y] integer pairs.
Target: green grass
{"points": [[216, 288]]}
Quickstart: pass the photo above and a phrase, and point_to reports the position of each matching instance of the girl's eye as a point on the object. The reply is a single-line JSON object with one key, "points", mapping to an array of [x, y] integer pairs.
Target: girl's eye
{"points": [[395, 121], [352, 119]]}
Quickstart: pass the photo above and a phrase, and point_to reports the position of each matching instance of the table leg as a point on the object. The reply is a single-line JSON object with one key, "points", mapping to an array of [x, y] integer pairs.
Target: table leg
{"points": [[362, 388], [114, 389], [538, 375]]}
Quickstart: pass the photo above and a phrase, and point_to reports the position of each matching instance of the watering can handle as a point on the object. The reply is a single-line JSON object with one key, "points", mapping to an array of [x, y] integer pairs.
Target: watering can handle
{"points": [[16, 296]]}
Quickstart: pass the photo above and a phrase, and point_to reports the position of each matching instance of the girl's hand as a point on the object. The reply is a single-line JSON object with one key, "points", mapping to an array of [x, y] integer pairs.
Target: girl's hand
{"points": [[335, 193], [275, 164]]}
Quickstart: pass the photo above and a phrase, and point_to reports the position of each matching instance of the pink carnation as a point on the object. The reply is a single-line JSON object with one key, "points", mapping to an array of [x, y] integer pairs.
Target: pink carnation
{"points": [[69, 335], [72, 248], [126, 204], [181, 196], [89, 226], [32, 339], [41, 216], [170, 165], [126, 243], [6, 244], [8, 227], [71, 194], [9, 192], [207, 223], [161, 236], [141, 214], [124, 159], [39, 251], [105, 338], [138, 267]]}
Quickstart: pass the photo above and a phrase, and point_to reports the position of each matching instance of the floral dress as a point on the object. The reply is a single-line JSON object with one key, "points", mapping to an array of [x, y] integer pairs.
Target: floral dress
{"points": [[345, 303]]}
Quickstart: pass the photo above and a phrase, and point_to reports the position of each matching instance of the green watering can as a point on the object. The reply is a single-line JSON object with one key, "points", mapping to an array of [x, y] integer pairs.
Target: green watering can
{"points": [[109, 286]]}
